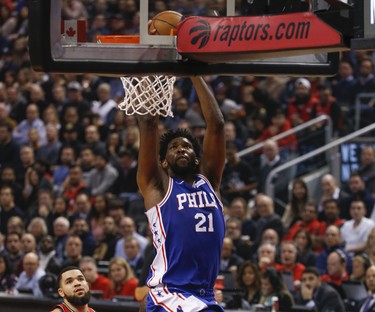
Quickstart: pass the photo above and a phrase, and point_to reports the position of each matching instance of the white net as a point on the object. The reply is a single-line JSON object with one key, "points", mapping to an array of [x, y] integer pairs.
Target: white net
{"points": [[148, 95]]}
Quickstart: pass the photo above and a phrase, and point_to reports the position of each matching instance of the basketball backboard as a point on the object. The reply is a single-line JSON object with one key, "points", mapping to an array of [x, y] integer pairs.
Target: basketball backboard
{"points": [[60, 43]]}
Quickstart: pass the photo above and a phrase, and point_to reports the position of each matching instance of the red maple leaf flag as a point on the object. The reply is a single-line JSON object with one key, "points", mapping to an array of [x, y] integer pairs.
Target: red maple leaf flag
{"points": [[74, 31]]}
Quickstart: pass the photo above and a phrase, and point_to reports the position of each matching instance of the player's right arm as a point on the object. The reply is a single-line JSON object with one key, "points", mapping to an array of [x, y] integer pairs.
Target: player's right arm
{"points": [[150, 177]]}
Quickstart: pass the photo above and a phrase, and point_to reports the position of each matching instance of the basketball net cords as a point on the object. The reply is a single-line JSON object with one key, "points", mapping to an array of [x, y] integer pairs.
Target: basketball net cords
{"points": [[147, 95]]}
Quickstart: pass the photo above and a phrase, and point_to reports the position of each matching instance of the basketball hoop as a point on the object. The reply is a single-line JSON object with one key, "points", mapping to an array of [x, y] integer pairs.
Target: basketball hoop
{"points": [[148, 95]]}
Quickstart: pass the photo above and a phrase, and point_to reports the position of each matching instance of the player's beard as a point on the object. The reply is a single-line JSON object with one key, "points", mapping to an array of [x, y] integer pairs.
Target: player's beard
{"points": [[79, 301], [182, 171]]}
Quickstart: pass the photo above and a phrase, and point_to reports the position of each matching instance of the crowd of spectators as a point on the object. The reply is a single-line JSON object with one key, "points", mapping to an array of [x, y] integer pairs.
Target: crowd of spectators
{"points": [[68, 164]]}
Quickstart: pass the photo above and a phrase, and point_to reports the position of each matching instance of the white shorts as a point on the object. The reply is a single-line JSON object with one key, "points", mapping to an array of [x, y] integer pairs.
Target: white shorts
{"points": [[171, 299]]}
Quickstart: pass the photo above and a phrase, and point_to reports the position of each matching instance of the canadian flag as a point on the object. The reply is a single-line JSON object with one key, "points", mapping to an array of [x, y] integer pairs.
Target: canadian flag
{"points": [[74, 31]]}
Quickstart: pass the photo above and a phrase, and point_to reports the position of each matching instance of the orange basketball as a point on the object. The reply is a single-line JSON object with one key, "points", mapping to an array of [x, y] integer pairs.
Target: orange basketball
{"points": [[164, 23]]}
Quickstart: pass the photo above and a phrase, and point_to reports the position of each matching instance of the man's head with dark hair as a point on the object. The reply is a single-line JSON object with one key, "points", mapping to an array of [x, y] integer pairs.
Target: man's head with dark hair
{"points": [[311, 270], [73, 287], [66, 269], [7, 187], [116, 209], [102, 154], [8, 175], [356, 183], [179, 153], [310, 282], [7, 197], [13, 243], [129, 152], [171, 135], [331, 209]]}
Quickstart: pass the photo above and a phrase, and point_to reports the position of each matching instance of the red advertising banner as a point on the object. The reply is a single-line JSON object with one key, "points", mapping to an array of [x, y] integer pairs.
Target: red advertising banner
{"points": [[240, 34]]}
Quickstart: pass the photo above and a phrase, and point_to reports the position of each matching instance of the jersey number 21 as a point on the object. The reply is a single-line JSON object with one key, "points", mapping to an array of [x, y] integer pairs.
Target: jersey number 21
{"points": [[205, 222]]}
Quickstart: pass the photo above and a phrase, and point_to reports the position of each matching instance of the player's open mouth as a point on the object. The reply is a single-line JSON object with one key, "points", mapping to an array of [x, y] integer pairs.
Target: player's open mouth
{"points": [[182, 157], [80, 290]]}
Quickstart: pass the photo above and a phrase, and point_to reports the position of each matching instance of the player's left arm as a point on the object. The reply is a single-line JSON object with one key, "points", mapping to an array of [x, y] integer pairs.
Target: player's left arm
{"points": [[213, 158]]}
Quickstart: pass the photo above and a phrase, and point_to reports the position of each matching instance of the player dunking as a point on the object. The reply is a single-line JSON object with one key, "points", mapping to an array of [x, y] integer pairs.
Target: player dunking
{"points": [[181, 194]]}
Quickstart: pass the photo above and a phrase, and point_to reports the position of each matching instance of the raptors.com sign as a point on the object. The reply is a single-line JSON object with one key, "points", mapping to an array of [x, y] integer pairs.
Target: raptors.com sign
{"points": [[200, 35]]}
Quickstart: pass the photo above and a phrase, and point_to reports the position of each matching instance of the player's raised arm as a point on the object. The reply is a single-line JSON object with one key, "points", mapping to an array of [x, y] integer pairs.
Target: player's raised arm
{"points": [[149, 175], [213, 159]]}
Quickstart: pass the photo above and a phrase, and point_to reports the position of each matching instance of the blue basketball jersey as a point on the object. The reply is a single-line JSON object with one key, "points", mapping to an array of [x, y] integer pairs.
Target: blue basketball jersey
{"points": [[188, 230]]}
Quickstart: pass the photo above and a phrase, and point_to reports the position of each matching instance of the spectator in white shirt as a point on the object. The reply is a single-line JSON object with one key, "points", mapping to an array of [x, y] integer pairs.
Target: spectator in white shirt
{"points": [[20, 133], [355, 231], [29, 277], [127, 229]]}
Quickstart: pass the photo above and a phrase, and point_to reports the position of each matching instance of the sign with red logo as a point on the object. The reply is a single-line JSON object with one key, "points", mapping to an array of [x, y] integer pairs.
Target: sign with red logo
{"points": [[73, 31], [199, 36]]}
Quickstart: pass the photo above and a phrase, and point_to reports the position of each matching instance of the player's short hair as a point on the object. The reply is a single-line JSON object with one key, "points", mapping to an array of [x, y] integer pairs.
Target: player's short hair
{"points": [[68, 268], [170, 135]]}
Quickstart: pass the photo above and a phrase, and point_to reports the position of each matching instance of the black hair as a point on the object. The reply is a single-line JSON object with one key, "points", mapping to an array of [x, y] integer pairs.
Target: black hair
{"points": [[311, 270], [102, 154], [275, 278], [68, 268], [295, 202], [276, 112], [115, 203], [74, 165], [170, 135], [94, 212], [7, 186], [130, 152], [13, 233], [355, 174]]}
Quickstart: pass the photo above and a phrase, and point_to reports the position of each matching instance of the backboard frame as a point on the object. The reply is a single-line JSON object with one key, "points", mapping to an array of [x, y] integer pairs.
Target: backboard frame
{"points": [[49, 54]]}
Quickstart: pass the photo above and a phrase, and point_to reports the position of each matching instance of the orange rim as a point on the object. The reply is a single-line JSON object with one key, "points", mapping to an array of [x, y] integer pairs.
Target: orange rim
{"points": [[118, 39]]}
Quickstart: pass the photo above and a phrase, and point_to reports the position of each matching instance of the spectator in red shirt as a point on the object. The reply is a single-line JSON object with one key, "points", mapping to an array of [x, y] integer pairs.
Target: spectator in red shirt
{"points": [[96, 281], [309, 222], [330, 107], [267, 257], [280, 124], [336, 268], [331, 216], [123, 282], [303, 106], [288, 257], [300, 109], [73, 185]]}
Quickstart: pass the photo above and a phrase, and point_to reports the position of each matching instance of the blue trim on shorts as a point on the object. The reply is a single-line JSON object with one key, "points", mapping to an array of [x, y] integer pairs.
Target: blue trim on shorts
{"points": [[205, 295]]}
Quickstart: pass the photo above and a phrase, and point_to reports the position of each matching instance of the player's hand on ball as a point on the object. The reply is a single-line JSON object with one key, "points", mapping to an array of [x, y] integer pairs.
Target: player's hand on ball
{"points": [[151, 30]]}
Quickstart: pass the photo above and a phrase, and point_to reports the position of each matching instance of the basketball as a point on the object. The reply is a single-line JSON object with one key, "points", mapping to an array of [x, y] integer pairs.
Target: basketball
{"points": [[164, 23]]}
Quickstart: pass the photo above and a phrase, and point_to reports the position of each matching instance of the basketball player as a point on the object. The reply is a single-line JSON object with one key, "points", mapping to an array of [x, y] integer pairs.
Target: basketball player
{"points": [[74, 289], [181, 194]]}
